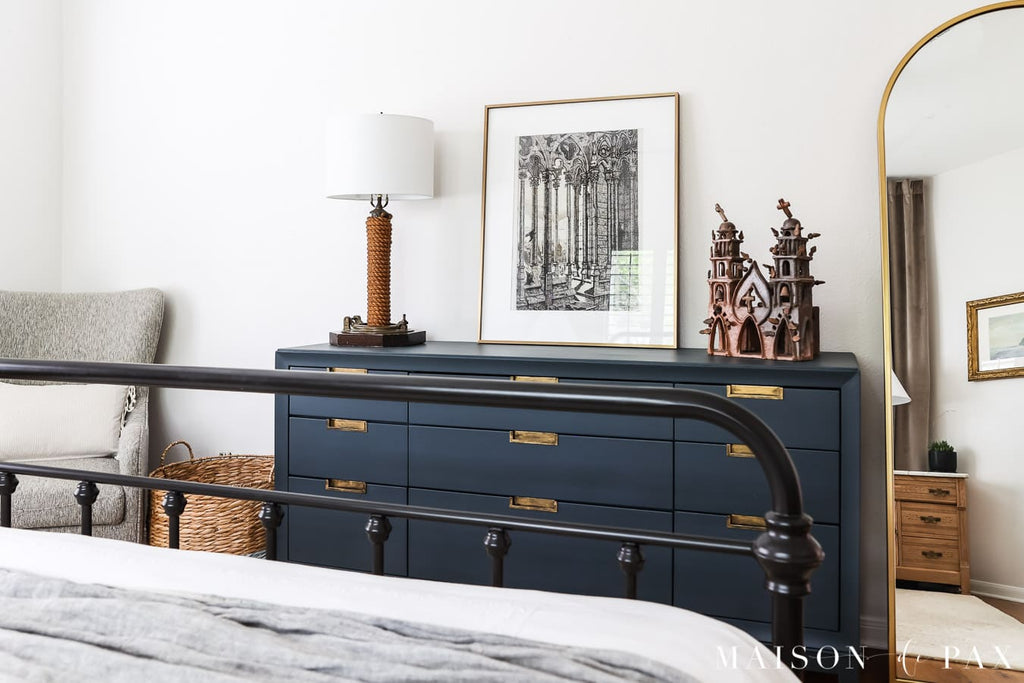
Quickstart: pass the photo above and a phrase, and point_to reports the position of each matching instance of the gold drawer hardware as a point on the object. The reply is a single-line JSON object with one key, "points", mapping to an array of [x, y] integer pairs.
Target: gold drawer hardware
{"points": [[753, 391], [941, 493], [928, 519], [538, 504], [351, 371], [738, 450], [931, 554], [746, 522], [346, 425], [530, 378], [346, 485], [537, 438]]}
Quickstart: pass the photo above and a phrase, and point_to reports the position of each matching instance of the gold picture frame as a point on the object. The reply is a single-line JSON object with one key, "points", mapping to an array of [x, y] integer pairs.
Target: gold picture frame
{"points": [[995, 337], [580, 222]]}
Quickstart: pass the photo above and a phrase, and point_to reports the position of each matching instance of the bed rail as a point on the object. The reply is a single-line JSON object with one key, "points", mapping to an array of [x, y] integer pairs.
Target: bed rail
{"points": [[786, 551]]}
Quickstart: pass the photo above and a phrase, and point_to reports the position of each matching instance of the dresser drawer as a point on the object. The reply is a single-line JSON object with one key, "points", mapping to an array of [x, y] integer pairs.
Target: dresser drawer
{"points": [[450, 552], [926, 489], [709, 479], [606, 471], [929, 519], [802, 418], [732, 586], [587, 424], [330, 538], [348, 408], [942, 554], [324, 449]]}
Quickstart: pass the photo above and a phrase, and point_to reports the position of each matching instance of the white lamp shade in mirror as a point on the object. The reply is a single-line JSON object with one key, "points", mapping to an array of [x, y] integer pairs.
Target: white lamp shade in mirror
{"points": [[380, 154], [899, 394]]}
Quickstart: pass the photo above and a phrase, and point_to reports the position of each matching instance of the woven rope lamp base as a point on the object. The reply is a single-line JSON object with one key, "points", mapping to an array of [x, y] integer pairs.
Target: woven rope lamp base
{"points": [[378, 330]]}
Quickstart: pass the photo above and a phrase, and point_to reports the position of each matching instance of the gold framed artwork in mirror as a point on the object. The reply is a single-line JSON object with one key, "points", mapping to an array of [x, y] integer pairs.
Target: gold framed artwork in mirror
{"points": [[995, 337]]}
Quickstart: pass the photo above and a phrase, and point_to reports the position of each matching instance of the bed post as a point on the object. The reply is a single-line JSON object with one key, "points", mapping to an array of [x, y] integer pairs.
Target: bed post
{"points": [[8, 484], [788, 554]]}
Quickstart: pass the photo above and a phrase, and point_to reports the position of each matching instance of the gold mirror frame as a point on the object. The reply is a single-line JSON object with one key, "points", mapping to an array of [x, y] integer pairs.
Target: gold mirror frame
{"points": [[887, 316]]}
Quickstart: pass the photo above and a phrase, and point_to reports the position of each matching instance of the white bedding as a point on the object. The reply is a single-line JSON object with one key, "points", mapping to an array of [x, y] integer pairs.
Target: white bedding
{"points": [[690, 642]]}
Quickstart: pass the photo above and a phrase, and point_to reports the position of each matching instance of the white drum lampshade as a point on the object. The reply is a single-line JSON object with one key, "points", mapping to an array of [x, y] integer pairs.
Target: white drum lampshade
{"points": [[380, 154]]}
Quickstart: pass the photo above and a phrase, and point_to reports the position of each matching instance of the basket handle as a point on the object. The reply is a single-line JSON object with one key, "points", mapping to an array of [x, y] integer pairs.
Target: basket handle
{"points": [[191, 455]]}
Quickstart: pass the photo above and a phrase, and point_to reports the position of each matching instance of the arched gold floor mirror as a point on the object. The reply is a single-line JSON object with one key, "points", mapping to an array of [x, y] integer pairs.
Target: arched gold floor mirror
{"points": [[951, 172]]}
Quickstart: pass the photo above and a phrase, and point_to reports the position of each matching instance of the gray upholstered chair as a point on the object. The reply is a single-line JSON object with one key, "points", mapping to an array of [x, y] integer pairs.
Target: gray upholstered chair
{"points": [[116, 327]]}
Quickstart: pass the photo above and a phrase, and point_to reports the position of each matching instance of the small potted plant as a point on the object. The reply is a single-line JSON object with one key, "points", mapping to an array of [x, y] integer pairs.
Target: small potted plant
{"points": [[941, 457]]}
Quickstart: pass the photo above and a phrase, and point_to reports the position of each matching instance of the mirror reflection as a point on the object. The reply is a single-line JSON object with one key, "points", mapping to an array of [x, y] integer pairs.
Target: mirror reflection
{"points": [[954, 160]]}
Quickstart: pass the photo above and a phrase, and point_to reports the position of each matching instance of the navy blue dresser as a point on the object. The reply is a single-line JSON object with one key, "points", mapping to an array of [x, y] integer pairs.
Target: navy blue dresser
{"points": [[640, 472]]}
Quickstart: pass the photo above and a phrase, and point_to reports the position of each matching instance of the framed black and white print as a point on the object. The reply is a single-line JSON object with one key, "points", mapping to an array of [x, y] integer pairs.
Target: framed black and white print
{"points": [[580, 222]]}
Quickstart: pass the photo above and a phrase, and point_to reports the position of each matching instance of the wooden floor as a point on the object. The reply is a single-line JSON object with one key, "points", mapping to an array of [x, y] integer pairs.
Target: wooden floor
{"points": [[1014, 609]]}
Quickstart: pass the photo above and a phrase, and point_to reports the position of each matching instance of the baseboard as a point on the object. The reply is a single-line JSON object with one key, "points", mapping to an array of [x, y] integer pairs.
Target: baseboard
{"points": [[997, 590], [874, 632]]}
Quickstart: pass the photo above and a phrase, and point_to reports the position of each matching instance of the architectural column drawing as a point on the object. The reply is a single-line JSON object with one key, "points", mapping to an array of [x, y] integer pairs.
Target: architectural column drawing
{"points": [[569, 250]]}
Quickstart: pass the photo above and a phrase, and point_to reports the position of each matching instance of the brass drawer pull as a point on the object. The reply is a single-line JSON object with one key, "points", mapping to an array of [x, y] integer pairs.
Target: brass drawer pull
{"points": [[941, 493], [931, 554], [346, 425], [531, 378], [738, 450], [346, 485], [929, 519], [528, 503], [746, 522], [753, 391], [536, 438], [351, 371]]}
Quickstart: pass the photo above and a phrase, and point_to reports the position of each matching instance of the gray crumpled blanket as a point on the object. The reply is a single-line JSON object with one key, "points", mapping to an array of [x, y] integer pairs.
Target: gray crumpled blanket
{"points": [[55, 630]]}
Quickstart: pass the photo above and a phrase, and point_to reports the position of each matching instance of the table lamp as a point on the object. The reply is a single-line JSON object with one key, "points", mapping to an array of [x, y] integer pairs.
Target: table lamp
{"points": [[379, 157]]}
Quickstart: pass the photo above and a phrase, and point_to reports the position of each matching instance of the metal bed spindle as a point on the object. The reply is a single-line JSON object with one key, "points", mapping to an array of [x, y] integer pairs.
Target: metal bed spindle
{"points": [[85, 495], [174, 504], [378, 529], [8, 484], [271, 515], [496, 543]]}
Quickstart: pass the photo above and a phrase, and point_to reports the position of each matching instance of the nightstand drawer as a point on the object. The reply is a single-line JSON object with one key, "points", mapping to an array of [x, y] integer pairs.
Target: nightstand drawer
{"points": [[605, 471], [940, 554], [926, 489], [451, 552], [330, 538], [732, 586], [802, 418], [348, 449], [929, 519], [587, 424], [728, 479]]}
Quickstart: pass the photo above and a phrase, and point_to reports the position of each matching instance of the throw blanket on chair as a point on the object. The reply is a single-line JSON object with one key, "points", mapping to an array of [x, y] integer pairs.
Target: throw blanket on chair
{"points": [[51, 629]]}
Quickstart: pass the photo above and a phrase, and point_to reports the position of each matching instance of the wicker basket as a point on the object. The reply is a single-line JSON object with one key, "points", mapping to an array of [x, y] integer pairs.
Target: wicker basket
{"points": [[219, 525]]}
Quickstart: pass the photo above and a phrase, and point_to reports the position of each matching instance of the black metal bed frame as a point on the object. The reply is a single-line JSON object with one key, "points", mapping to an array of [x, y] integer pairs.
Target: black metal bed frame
{"points": [[786, 551]]}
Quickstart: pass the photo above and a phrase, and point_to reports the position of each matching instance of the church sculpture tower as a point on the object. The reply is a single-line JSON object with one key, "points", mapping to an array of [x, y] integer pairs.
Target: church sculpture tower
{"points": [[750, 315]]}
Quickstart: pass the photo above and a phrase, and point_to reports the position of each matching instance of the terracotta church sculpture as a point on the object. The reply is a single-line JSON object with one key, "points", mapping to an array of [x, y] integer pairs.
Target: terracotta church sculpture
{"points": [[752, 315]]}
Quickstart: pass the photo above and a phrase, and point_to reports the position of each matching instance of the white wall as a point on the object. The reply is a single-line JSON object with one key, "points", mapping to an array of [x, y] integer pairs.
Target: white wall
{"points": [[193, 136], [30, 135], [977, 241]]}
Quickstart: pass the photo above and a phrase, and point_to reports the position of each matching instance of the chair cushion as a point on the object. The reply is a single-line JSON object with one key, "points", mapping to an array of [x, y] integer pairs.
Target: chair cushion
{"points": [[59, 421], [43, 503]]}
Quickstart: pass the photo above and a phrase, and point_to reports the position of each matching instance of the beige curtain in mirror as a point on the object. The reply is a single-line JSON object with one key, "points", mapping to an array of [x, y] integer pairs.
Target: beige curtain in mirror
{"points": [[911, 342]]}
